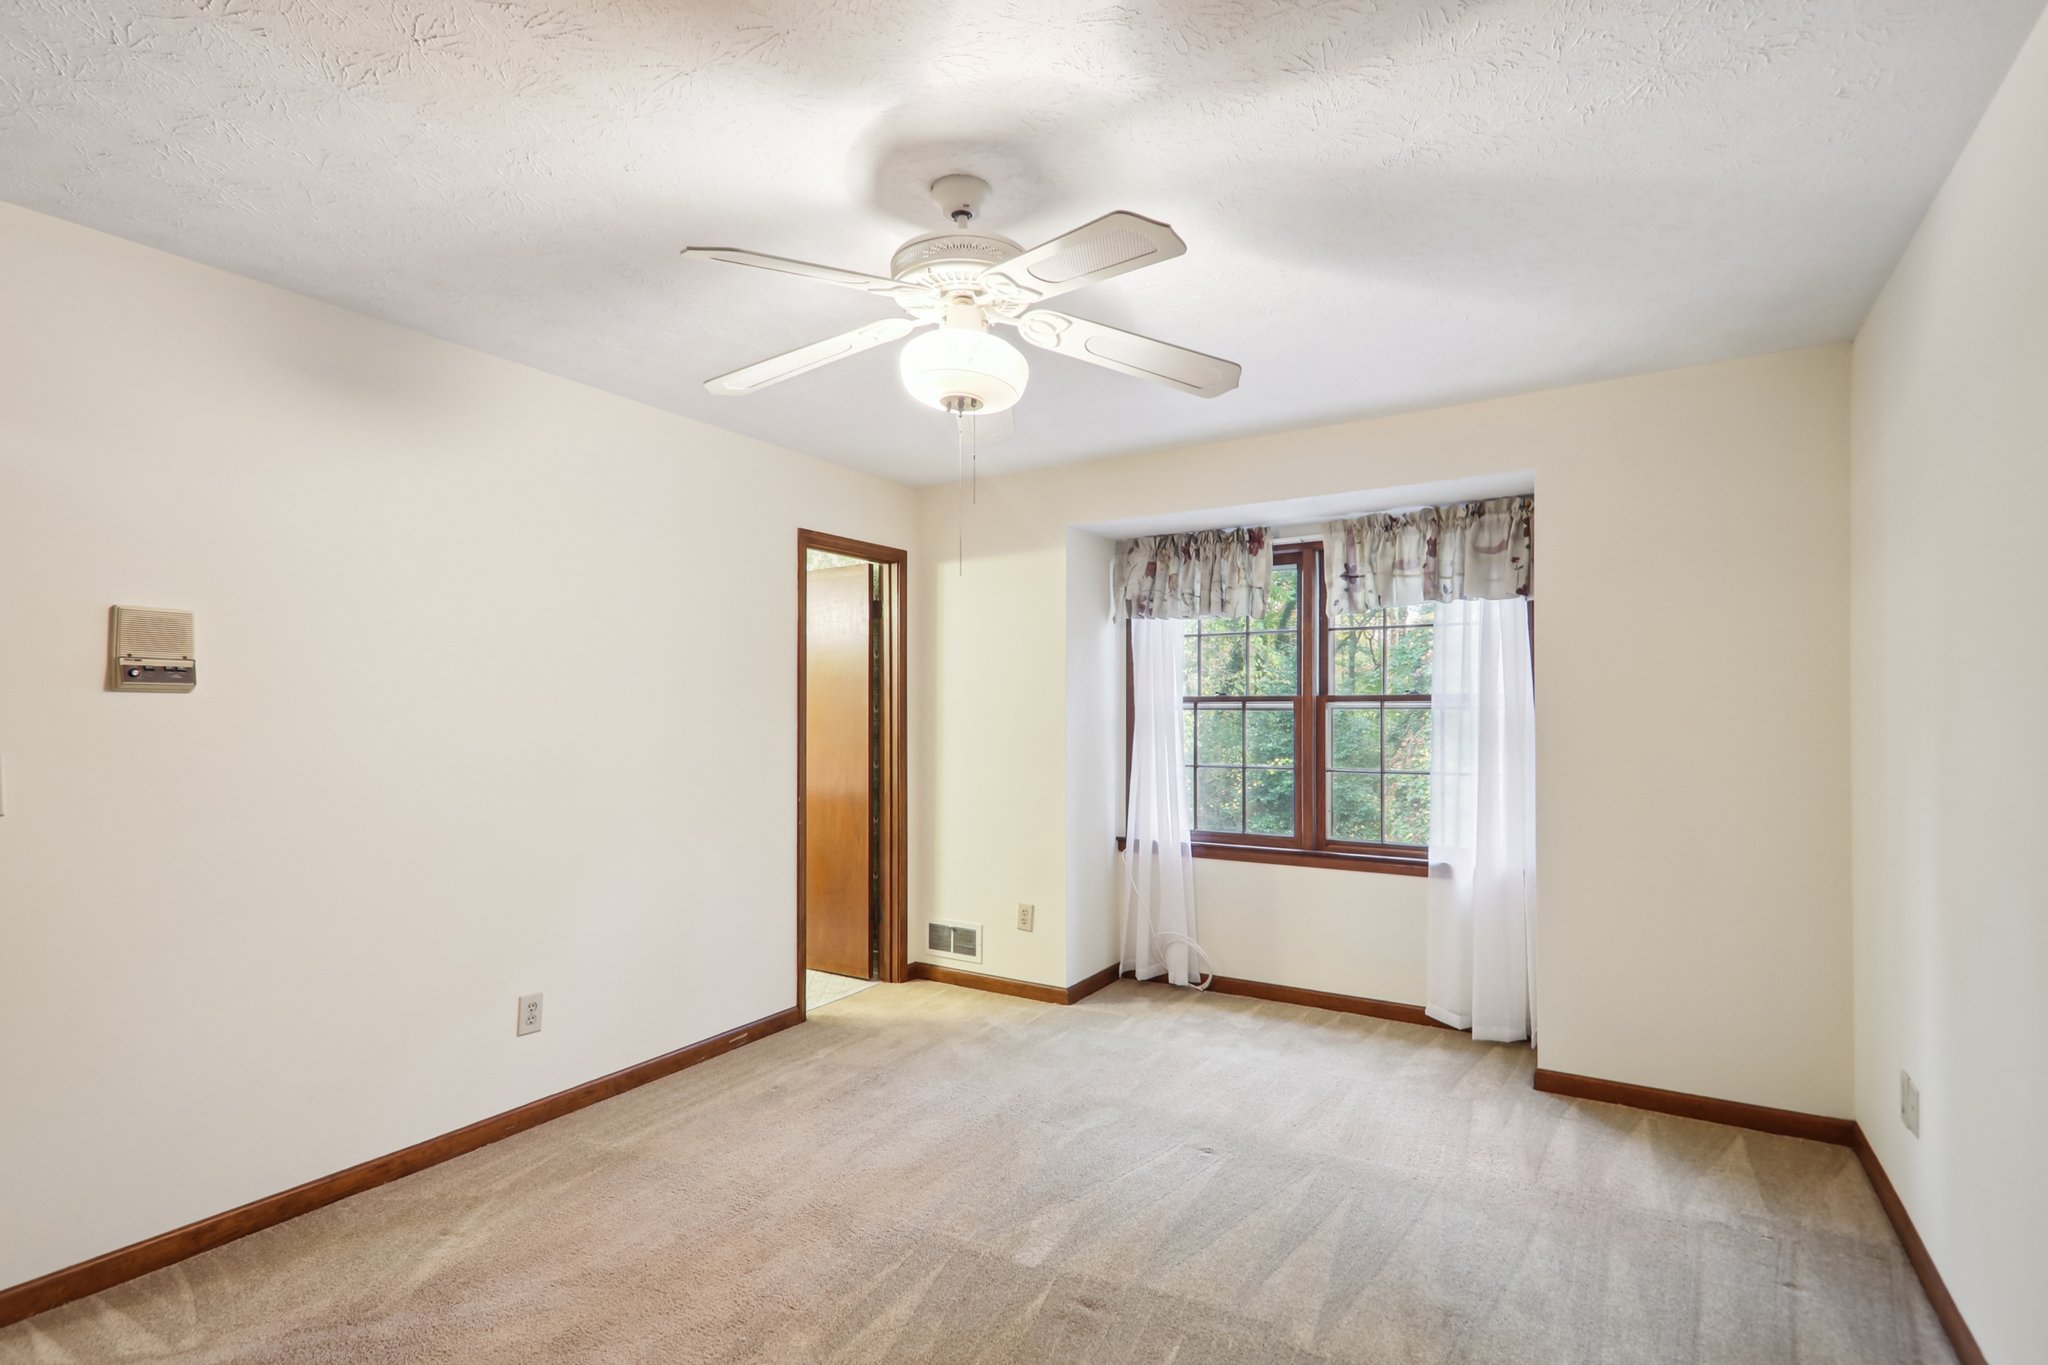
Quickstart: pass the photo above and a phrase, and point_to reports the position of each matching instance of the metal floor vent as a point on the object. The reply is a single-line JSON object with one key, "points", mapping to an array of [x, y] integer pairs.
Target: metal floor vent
{"points": [[951, 939]]}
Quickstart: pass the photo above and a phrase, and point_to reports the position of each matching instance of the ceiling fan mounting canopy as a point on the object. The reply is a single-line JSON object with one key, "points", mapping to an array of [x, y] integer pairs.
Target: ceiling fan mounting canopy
{"points": [[960, 197], [961, 282]]}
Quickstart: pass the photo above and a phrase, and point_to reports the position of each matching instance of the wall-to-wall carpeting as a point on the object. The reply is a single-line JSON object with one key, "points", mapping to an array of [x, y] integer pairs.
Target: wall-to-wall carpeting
{"points": [[924, 1173]]}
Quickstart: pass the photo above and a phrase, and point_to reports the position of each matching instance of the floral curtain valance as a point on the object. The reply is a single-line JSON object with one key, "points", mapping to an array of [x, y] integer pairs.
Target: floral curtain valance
{"points": [[1201, 573], [1468, 550]]}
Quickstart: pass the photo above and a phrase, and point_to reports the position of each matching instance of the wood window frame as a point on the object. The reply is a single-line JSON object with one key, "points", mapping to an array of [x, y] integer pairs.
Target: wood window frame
{"points": [[1310, 844]]}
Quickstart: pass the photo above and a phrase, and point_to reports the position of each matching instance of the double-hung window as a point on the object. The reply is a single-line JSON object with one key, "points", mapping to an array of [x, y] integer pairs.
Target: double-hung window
{"points": [[1307, 740]]}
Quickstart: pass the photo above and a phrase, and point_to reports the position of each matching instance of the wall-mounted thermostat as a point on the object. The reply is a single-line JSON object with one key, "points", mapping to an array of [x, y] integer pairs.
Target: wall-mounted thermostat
{"points": [[151, 651]]}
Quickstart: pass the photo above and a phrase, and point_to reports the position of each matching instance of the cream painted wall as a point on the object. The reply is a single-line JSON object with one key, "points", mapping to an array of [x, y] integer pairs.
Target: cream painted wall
{"points": [[988, 770], [467, 728], [1948, 478], [1340, 931], [1692, 747], [1095, 789], [1355, 933]]}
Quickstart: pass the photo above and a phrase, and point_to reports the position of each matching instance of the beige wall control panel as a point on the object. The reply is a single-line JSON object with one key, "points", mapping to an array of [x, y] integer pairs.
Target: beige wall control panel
{"points": [[149, 650]]}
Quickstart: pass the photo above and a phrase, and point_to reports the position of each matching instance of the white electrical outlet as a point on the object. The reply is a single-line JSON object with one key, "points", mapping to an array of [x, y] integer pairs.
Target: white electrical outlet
{"points": [[529, 1015], [1027, 916], [1909, 1104]]}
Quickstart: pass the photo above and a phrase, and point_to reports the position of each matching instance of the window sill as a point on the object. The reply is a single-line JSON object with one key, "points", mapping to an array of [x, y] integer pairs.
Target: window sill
{"points": [[1307, 857]]}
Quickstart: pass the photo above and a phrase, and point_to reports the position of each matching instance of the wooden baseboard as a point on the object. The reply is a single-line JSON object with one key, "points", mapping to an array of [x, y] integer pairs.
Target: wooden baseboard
{"points": [[1758, 1117], [995, 985], [1325, 1000], [103, 1272], [1003, 985], [1790, 1123], [1968, 1352], [1088, 985], [1321, 1000], [1222, 985]]}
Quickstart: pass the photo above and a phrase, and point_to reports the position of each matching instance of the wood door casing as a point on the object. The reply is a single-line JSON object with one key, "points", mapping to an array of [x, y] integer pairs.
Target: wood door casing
{"points": [[838, 769]]}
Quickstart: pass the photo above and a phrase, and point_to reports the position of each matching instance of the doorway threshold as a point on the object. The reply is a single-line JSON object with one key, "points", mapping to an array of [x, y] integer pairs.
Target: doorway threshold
{"points": [[822, 988]]}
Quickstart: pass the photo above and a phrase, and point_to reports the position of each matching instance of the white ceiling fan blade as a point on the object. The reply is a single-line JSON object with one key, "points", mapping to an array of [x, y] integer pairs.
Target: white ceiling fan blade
{"points": [[789, 364], [804, 270], [1109, 246], [1205, 376]]}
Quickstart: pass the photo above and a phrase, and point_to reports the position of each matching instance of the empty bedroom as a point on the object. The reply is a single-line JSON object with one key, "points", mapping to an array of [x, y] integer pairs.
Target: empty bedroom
{"points": [[1095, 683]]}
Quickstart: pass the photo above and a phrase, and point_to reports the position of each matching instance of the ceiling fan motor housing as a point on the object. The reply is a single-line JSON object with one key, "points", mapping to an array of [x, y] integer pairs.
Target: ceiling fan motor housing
{"points": [[950, 262]]}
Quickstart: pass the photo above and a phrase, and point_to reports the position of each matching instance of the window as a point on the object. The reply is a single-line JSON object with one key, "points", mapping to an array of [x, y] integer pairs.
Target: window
{"points": [[1376, 728], [1242, 716], [1308, 741]]}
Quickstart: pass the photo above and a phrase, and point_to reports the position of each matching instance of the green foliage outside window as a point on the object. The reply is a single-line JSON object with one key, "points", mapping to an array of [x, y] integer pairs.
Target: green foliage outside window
{"points": [[1241, 748], [1379, 750], [1242, 778]]}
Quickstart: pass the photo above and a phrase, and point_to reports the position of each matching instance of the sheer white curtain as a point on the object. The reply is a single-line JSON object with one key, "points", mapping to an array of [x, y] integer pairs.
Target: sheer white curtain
{"points": [[1159, 863], [1482, 831]]}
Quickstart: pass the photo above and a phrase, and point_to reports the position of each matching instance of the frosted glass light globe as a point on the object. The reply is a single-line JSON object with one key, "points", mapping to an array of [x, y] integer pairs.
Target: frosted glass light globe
{"points": [[964, 363]]}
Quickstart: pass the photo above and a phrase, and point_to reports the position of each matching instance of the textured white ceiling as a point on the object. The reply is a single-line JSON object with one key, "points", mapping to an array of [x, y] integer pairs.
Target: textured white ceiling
{"points": [[1387, 205]]}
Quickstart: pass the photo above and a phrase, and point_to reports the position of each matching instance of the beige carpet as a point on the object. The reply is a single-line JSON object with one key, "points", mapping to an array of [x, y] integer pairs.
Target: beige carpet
{"points": [[822, 988], [924, 1173]]}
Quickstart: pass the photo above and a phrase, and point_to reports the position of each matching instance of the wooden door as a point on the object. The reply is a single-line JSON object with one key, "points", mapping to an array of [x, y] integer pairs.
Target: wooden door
{"points": [[838, 769]]}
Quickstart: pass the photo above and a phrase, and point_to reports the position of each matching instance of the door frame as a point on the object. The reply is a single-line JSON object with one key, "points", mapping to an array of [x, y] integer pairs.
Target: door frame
{"points": [[895, 745]]}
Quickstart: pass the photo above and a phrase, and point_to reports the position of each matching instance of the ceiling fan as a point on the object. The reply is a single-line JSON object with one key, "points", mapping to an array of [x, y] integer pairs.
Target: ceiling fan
{"points": [[961, 283]]}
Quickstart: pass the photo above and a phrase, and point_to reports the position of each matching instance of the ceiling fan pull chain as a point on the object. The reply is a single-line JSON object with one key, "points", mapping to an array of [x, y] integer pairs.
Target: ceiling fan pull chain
{"points": [[959, 495]]}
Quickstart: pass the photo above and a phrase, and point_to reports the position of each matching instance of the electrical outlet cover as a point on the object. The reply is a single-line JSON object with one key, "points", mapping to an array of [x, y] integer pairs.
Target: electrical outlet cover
{"points": [[1027, 917], [529, 1015]]}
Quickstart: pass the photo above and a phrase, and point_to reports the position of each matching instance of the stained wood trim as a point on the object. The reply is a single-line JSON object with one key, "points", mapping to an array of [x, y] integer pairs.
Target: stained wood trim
{"points": [[896, 774], [895, 743], [803, 650], [1088, 985], [103, 1272], [1791, 1123], [1951, 1317], [1325, 1000], [1003, 985], [847, 545], [1760, 1118], [1321, 1000], [980, 981], [1323, 858], [1306, 857]]}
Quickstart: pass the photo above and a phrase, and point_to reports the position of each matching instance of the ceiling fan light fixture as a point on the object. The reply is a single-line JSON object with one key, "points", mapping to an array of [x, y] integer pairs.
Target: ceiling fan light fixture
{"points": [[961, 369]]}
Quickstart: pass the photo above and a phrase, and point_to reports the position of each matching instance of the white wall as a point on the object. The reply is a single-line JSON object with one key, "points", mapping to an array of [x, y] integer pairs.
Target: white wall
{"points": [[1950, 653], [1692, 747], [1354, 933], [497, 686], [988, 763], [1095, 728]]}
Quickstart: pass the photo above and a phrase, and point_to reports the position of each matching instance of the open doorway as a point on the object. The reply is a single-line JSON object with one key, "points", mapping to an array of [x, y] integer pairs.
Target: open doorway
{"points": [[852, 859]]}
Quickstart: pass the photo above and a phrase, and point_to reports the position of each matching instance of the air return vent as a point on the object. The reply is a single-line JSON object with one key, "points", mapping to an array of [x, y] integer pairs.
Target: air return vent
{"points": [[949, 939]]}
